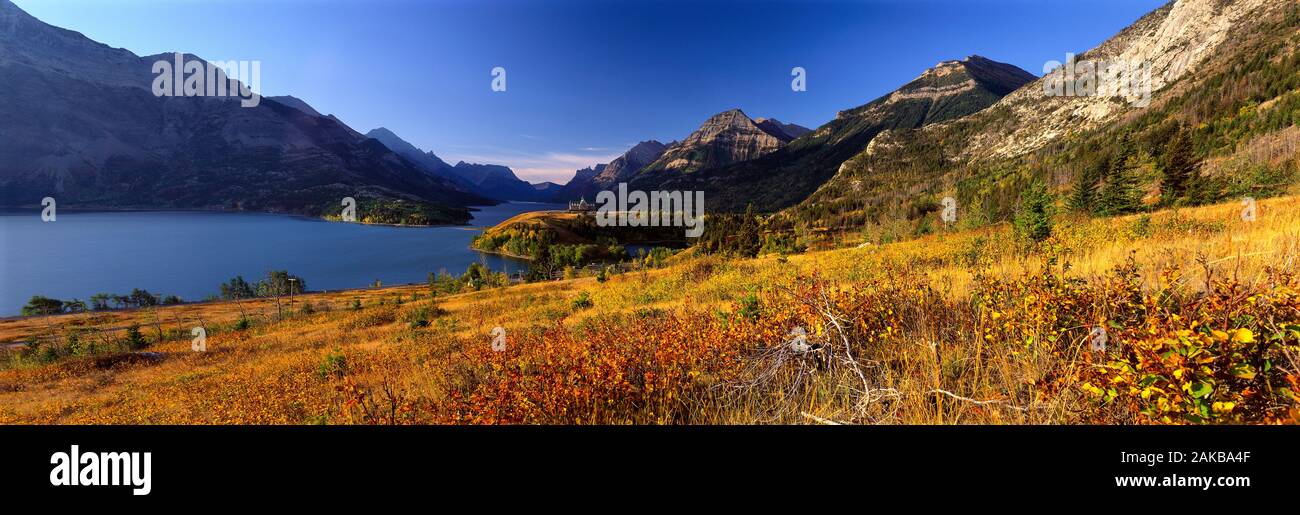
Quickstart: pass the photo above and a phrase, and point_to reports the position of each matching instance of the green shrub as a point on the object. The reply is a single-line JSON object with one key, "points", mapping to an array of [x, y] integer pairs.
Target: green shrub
{"points": [[334, 365], [583, 301], [134, 339], [1034, 216]]}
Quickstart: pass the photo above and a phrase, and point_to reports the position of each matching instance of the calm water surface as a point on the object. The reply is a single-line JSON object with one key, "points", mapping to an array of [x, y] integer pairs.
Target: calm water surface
{"points": [[191, 253]]}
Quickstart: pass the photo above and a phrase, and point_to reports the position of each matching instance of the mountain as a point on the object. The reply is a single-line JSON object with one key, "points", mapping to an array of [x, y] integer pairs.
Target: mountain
{"points": [[81, 123], [782, 175], [296, 103], [783, 131], [586, 183], [491, 181], [429, 160], [1224, 76], [581, 186], [499, 182], [725, 138], [547, 191]]}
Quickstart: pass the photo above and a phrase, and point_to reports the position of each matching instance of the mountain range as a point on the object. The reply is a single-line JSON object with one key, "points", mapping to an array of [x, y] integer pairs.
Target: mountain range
{"points": [[80, 123], [725, 138], [496, 182]]}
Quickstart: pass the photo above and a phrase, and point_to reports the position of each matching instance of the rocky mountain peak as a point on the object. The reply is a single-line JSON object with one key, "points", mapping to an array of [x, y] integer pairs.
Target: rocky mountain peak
{"points": [[725, 138], [1170, 43]]}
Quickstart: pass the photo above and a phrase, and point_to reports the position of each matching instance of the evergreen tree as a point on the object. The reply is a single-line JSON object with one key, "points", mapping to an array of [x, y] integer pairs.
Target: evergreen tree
{"points": [[1033, 220], [1122, 193], [748, 239], [1180, 166], [1084, 196]]}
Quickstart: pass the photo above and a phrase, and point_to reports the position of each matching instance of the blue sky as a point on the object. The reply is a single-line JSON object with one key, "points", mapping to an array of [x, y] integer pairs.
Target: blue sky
{"points": [[586, 79]]}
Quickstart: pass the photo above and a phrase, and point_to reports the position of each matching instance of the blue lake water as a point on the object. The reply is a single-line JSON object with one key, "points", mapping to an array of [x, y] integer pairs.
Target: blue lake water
{"points": [[191, 253]]}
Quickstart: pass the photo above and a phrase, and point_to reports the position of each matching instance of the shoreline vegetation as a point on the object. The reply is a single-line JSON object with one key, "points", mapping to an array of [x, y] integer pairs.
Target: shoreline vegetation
{"points": [[994, 325]]}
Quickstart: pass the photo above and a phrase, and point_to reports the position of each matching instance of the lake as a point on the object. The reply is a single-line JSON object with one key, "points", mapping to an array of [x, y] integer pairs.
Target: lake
{"points": [[190, 254]]}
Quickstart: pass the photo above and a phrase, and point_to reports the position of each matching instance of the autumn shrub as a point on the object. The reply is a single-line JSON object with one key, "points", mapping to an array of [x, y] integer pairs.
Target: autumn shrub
{"points": [[333, 364], [1162, 356], [1226, 355], [378, 316]]}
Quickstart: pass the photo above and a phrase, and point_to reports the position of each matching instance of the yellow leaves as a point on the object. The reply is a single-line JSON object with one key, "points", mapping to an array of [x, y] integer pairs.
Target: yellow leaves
{"points": [[1243, 336], [1223, 407], [1148, 391]]}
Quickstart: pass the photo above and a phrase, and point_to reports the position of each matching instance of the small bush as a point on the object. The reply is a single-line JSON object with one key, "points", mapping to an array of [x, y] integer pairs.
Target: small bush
{"points": [[134, 339], [583, 301], [371, 318], [750, 307], [334, 365]]}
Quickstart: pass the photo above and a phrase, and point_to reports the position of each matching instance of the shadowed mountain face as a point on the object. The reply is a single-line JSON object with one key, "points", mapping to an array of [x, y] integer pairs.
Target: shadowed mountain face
{"points": [[429, 160], [80, 123], [785, 175], [783, 131], [586, 183], [491, 181]]}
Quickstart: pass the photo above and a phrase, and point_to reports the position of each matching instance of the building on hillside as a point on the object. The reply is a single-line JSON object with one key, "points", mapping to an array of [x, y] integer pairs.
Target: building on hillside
{"points": [[581, 206]]}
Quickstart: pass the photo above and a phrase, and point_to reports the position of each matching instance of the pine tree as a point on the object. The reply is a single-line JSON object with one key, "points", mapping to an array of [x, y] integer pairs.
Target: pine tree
{"points": [[1180, 166], [1084, 196], [1122, 193], [1034, 216], [749, 238]]}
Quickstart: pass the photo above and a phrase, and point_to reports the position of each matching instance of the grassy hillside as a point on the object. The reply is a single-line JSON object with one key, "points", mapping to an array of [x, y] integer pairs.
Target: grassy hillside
{"points": [[1201, 312], [555, 240], [1225, 131]]}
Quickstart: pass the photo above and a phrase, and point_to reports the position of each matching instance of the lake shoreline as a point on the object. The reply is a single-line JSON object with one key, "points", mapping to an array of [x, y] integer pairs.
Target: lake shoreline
{"points": [[190, 253]]}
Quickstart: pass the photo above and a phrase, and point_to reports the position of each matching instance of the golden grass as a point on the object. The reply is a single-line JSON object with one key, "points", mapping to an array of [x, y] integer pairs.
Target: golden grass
{"points": [[667, 345]]}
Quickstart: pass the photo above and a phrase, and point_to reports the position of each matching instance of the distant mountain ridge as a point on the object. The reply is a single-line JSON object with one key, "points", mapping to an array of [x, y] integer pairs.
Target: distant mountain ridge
{"points": [[786, 175], [586, 183], [725, 138], [83, 125], [492, 181]]}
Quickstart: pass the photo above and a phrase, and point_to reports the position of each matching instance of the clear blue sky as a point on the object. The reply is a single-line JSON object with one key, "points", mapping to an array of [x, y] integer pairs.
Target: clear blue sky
{"points": [[586, 80]]}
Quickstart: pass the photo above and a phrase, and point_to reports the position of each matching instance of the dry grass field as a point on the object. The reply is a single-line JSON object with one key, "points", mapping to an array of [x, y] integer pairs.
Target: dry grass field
{"points": [[1198, 310]]}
